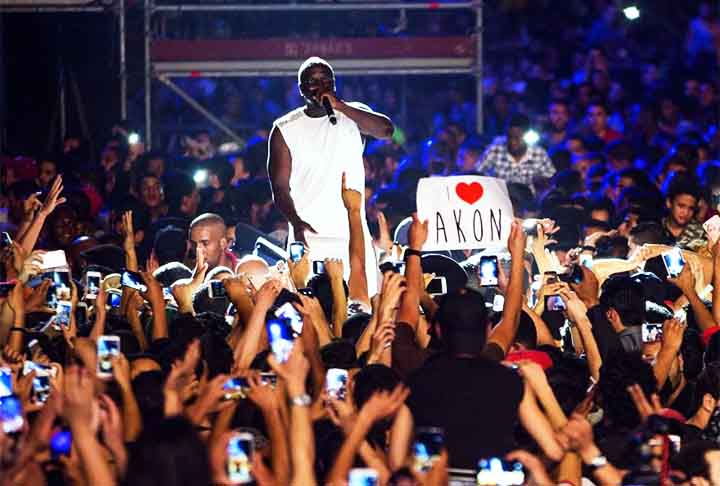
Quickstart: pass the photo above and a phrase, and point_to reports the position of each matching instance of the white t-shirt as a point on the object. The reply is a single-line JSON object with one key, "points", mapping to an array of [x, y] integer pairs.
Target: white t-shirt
{"points": [[321, 153]]}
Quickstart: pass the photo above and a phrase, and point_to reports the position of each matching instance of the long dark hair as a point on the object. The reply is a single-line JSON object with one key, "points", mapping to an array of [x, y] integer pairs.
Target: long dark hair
{"points": [[169, 453]]}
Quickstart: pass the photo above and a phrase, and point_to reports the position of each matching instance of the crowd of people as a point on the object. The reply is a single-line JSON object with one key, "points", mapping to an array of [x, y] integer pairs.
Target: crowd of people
{"points": [[161, 323]]}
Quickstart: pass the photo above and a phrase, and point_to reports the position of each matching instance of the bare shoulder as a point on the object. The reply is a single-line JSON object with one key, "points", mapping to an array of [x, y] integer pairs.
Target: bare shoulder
{"points": [[289, 118]]}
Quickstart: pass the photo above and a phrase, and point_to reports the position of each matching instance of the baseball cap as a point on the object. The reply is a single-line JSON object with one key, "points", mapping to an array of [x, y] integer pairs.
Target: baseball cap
{"points": [[463, 319]]}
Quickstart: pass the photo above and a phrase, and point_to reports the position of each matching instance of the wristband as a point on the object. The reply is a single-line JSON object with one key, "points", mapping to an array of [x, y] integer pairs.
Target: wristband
{"points": [[597, 462], [303, 400], [410, 252], [18, 329]]}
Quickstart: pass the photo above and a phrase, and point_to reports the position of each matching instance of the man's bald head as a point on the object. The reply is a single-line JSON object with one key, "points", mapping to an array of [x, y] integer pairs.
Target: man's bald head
{"points": [[208, 220], [255, 268], [207, 232]]}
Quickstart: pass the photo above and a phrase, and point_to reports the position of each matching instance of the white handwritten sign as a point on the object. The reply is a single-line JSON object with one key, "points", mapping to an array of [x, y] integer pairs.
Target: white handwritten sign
{"points": [[464, 212]]}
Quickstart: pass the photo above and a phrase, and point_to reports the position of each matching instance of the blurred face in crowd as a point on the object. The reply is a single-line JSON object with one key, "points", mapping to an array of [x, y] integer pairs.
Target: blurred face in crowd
{"points": [[584, 94], [692, 88], [210, 238], [190, 203], [109, 158], [156, 166], [707, 94], [467, 159], [650, 75], [668, 110], [151, 192], [582, 165], [682, 209], [46, 173], [70, 144], [601, 81], [515, 143], [575, 146], [63, 227], [597, 119], [559, 116]]}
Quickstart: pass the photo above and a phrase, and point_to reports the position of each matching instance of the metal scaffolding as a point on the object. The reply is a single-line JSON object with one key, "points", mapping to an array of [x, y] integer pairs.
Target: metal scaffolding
{"points": [[163, 71]]}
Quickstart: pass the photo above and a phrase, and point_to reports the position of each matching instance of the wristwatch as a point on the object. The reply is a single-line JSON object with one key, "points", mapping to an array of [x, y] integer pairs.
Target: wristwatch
{"points": [[411, 252], [597, 462], [303, 400]]}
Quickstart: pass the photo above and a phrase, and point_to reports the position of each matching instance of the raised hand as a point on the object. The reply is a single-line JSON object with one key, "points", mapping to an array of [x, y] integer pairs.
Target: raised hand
{"points": [[79, 396], [685, 281], [673, 332], [265, 297], [37, 301], [385, 240], [262, 395], [351, 198], [383, 404], [299, 229], [239, 288], [644, 407], [299, 271], [128, 231], [517, 241], [576, 309], [294, 371], [31, 205], [418, 233], [154, 293], [334, 268], [53, 199]]}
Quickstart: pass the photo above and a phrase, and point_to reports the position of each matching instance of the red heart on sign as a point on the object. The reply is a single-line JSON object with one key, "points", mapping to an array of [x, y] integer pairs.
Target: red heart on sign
{"points": [[470, 193]]}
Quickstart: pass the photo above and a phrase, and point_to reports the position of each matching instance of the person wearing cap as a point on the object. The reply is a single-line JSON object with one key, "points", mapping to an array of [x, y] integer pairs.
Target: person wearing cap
{"points": [[481, 399], [309, 152], [110, 256]]}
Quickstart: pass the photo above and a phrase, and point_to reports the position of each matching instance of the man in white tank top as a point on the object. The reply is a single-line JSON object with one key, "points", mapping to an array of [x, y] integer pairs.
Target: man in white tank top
{"points": [[308, 155]]}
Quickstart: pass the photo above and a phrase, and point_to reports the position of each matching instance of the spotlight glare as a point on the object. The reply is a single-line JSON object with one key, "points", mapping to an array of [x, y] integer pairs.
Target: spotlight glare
{"points": [[133, 138], [531, 137], [200, 176], [631, 12]]}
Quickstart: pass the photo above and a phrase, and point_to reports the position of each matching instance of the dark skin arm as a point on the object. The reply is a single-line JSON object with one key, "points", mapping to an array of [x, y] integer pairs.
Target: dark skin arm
{"points": [[370, 123], [279, 169]]}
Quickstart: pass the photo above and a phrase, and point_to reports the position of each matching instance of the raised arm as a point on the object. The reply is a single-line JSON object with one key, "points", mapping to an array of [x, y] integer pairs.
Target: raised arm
{"points": [[504, 333], [537, 424], [334, 270], [673, 331], [686, 282], [154, 295], [279, 169], [410, 303], [249, 344], [381, 404], [302, 453], [577, 313], [370, 123], [357, 283], [30, 236]]}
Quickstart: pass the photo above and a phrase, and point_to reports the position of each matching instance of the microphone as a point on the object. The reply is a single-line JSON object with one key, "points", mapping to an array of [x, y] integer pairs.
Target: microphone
{"points": [[329, 111]]}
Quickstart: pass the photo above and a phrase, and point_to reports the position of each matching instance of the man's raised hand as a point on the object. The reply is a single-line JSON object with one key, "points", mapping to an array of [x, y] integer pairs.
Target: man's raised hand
{"points": [[352, 199]]}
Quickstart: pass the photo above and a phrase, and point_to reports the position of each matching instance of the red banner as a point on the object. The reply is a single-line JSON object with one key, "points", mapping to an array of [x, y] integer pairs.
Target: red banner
{"points": [[340, 48]]}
